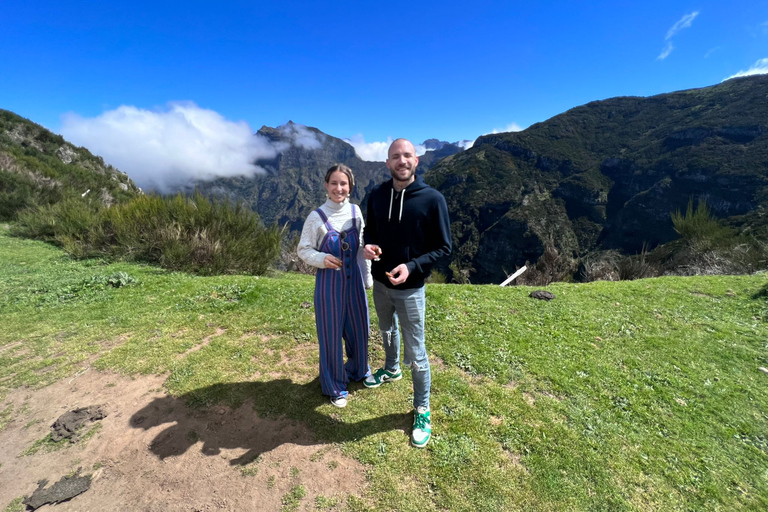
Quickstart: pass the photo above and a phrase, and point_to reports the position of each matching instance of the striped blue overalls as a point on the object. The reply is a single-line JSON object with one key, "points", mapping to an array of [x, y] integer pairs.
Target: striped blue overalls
{"points": [[341, 310]]}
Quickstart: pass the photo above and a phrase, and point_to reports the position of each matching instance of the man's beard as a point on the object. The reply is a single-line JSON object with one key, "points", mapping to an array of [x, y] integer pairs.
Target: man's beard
{"points": [[410, 175]]}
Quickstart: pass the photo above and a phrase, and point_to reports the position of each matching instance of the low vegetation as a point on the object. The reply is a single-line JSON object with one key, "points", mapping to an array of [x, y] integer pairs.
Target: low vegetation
{"points": [[706, 246], [192, 234], [638, 395]]}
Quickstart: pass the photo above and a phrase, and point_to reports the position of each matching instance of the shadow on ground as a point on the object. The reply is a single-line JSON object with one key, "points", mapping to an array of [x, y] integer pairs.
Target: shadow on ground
{"points": [[257, 417]]}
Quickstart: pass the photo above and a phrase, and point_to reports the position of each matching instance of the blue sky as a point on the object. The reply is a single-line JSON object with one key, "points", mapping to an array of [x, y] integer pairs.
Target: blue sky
{"points": [[367, 72]]}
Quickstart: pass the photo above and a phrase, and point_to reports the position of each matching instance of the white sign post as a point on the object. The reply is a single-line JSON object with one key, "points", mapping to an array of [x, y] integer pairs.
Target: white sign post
{"points": [[514, 276]]}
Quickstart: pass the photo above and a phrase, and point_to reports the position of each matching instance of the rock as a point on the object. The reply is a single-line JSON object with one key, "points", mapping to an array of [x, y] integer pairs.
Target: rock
{"points": [[66, 154], [542, 295], [69, 423], [65, 489]]}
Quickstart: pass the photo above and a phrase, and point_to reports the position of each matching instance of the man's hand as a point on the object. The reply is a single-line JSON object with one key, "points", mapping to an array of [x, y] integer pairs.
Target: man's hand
{"points": [[399, 274], [371, 251]]}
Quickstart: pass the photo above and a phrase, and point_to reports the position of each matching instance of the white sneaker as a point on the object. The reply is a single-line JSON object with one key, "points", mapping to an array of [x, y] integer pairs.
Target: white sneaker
{"points": [[422, 427], [339, 401]]}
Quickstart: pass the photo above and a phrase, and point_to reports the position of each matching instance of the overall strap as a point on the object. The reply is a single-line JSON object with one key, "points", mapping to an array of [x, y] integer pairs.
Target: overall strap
{"points": [[324, 218], [354, 218]]}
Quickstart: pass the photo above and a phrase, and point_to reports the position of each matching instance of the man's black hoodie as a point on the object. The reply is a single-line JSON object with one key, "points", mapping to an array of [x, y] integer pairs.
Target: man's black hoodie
{"points": [[411, 227]]}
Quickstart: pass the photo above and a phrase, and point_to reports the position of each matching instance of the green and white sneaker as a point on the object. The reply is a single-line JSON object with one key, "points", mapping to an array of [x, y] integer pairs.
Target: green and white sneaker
{"points": [[381, 376], [422, 427]]}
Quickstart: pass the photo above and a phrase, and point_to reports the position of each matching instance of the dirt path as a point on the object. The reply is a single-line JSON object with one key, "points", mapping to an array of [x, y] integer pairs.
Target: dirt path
{"points": [[152, 453]]}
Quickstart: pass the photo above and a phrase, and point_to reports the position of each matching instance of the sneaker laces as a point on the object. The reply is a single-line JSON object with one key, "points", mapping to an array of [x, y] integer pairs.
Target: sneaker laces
{"points": [[421, 421]]}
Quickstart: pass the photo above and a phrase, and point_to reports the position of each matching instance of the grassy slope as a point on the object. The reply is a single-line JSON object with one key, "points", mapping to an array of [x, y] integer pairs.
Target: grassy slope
{"points": [[642, 395]]}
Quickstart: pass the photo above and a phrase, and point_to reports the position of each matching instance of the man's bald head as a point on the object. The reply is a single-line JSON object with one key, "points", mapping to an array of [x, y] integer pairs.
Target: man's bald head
{"points": [[402, 162]]}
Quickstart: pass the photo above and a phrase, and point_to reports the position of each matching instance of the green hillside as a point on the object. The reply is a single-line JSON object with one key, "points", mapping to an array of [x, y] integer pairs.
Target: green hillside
{"points": [[38, 167], [607, 175], [630, 396]]}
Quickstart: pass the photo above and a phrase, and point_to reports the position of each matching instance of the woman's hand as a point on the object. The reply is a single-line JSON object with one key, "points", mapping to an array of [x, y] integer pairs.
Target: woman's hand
{"points": [[332, 262]]}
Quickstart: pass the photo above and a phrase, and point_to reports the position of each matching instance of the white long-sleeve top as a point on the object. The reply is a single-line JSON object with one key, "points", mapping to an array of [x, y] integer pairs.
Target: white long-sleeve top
{"points": [[340, 217]]}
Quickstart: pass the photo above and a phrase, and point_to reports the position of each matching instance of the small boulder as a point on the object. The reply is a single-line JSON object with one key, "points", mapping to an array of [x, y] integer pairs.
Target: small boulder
{"points": [[542, 295]]}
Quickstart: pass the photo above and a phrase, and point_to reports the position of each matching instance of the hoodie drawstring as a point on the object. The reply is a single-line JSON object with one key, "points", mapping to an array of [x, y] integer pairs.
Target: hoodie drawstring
{"points": [[391, 199]]}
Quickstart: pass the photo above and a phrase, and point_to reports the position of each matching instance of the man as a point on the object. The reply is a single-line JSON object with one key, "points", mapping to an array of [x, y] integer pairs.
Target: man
{"points": [[407, 230]]}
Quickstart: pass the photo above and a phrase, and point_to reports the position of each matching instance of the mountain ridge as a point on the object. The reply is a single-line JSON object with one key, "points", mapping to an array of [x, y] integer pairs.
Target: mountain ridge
{"points": [[292, 185], [607, 175]]}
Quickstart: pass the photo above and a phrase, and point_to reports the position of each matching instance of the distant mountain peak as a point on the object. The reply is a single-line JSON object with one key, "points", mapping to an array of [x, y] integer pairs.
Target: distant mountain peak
{"points": [[434, 144]]}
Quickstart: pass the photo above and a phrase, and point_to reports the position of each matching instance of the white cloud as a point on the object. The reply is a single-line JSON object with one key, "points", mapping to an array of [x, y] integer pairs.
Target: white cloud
{"points": [[166, 148], [711, 51], [369, 151], [511, 127], [666, 51], [301, 136], [682, 23], [759, 68], [376, 151]]}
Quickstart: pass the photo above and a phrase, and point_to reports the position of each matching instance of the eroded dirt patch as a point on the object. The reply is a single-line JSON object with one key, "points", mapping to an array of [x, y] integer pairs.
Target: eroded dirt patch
{"points": [[154, 453]]}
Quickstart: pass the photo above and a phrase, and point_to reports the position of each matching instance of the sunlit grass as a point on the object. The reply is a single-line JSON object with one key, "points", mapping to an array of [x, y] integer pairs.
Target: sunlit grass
{"points": [[642, 395]]}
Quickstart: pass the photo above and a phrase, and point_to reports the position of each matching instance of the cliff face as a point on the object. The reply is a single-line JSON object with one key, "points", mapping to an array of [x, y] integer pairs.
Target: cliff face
{"points": [[608, 175], [293, 183]]}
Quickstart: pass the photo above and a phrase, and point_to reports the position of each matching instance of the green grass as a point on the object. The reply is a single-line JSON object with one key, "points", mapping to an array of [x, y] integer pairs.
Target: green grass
{"points": [[326, 503], [640, 395], [251, 469], [46, 445], [16, 505], [292, 499]]}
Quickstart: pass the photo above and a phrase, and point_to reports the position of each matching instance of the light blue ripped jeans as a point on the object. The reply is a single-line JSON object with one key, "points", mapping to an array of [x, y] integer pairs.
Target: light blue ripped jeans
{"points": [[407, 308]]}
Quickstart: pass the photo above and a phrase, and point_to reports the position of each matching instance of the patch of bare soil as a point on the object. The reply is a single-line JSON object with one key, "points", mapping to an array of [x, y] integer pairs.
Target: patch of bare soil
{"points": [[153, 453]]}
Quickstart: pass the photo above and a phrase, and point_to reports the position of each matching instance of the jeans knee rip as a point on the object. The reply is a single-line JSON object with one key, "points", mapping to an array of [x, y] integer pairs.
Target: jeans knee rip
{"points": [[416, 368]]}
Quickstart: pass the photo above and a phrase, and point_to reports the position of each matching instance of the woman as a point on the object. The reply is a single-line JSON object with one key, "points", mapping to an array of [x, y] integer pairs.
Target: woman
{"points": [[332, 241]]}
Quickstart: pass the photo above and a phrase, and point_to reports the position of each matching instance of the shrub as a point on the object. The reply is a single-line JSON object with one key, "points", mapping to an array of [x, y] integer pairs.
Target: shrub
{"points": [[19, 191], [699, 228], [600, 266], [460, 273], [437, 277], [711, 248], [192, 234], [636, 267], [550, 267]]}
